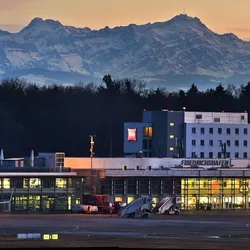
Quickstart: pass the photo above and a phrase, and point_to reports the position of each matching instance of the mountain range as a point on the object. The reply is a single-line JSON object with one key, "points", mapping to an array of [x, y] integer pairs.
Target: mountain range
{"points": [[172, 54]]}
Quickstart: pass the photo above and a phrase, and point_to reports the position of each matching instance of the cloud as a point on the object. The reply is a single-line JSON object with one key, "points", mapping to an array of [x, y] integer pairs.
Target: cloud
{"points": [[13, 4]]}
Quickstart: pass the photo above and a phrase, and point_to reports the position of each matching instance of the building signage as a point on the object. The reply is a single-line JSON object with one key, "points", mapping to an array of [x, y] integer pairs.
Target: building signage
{"points": [[131, 134], [213, 163]]}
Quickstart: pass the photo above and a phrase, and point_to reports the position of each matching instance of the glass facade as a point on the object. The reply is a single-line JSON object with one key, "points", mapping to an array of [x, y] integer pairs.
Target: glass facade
{"points": [[194, 193], [219, 193], [41, 193]]}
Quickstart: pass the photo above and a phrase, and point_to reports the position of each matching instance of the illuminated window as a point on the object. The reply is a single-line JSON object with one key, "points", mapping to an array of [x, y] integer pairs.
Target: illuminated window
{"points": [[148, 131], [35, 182], [25, 183], [171, 136], [6, 183], [118, 198], [171, 149], [61, 183], [171, 124]]}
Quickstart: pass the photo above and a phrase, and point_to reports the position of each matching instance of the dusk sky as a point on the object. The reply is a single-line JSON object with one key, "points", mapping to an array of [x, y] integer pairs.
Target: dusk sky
{"points": [[221, 16]]}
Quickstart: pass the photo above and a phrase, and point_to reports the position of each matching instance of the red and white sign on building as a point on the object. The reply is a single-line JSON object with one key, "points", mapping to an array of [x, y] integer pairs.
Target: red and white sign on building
{"points": [[131, 134]]}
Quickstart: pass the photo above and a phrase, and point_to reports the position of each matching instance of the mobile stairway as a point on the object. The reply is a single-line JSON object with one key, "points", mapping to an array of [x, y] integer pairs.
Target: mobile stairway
{"points": [[164, 205], [141, 207]]}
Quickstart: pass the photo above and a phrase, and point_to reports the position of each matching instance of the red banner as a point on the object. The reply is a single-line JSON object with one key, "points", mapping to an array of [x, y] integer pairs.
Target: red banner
{"points": [[132, 134]]}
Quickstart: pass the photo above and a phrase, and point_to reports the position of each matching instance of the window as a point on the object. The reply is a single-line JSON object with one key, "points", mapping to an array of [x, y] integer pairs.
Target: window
{"points": [[236, 143], [202, 143], [171, 136], [149, 144], [202, 154], [245, 155], [228, 155], [236, 155], [171, 149], [228, 131], [219, 131], [61, 183], [236, 131], [6, 183], [193, 155], [193, 130], [193, 143], [211, 130], [245, 131], [147, 131], [211, 143], [145, 144], [35, 182], [242, 117], [198, 117], [210, 154], [219, 154], [171, 124], [245, 144], [228, 143], [216, 119], [202, 131]]}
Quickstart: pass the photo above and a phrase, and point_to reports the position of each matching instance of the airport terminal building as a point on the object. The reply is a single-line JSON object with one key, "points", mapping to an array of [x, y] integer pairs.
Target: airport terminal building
{"points": [[223, 183]]}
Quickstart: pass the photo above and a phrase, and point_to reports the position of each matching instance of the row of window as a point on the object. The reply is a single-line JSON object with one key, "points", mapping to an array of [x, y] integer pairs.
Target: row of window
{"points": [[219, 131], [211, 143], [219, 155], [35, 183]]}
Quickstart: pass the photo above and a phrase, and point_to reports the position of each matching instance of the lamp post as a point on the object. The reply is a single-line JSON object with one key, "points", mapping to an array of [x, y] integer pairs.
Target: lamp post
{"points": [[92, 143]]}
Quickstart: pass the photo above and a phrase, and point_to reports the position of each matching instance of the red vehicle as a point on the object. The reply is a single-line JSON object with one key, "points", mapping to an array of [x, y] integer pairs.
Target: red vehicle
{"points": [[101, 201]]}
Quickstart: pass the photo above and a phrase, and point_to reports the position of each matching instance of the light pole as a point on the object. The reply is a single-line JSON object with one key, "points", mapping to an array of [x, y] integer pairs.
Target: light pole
{"points": [[92, 143]]}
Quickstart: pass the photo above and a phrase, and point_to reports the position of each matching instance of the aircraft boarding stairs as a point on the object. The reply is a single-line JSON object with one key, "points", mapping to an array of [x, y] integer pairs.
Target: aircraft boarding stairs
{"points": [[141, 207], [163, 205]]}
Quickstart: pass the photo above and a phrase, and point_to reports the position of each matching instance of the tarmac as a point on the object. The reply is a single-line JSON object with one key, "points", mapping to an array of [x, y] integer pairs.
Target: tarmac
{"points": [[232, 228]]}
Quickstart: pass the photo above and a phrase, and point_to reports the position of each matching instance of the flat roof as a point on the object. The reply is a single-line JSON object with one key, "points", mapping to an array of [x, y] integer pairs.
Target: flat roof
{"points": [[50, 174], [13, 159]]}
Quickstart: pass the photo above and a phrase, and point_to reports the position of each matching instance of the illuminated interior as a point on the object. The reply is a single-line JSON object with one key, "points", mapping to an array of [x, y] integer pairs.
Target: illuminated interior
{"points": [[61, 183], [118, 198], [148, 131], [226, 193], [35, 182], [130, 199], [6, 183]]}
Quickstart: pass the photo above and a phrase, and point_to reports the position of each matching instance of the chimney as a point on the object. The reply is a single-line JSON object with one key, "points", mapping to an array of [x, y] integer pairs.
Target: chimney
{"points": [[32, 158]]}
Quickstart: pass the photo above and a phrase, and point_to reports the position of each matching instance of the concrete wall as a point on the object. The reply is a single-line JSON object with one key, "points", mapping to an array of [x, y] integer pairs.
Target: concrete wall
{"points": [[178, 173], [143, 163], [208, 117], [134, 147]]}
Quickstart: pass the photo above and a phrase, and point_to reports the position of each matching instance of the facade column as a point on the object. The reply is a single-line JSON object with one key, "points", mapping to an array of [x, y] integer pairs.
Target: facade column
{"points": [[137, 186], [149, 186]]}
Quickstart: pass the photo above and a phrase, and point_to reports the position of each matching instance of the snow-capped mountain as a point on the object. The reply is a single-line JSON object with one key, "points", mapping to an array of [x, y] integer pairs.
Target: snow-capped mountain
{"points": [[176, 52]]}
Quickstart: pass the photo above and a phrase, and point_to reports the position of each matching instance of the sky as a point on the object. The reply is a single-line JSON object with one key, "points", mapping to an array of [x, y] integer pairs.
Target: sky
{"points": [[221, 16]]}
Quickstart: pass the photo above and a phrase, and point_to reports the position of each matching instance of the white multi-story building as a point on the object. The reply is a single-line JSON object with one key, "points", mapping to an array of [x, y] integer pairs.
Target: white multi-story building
{"points": [[216, 135]]}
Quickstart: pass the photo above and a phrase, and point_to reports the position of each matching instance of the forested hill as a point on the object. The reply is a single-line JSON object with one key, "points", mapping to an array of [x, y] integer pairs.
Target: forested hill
{"points": [[58, 118]]}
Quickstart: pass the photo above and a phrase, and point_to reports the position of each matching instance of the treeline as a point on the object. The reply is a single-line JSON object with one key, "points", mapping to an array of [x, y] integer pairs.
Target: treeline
{"points": [[57, 118]]}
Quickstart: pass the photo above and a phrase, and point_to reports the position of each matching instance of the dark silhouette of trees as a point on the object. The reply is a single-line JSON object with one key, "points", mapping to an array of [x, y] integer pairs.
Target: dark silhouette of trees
{"points": [[58, 118]]}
